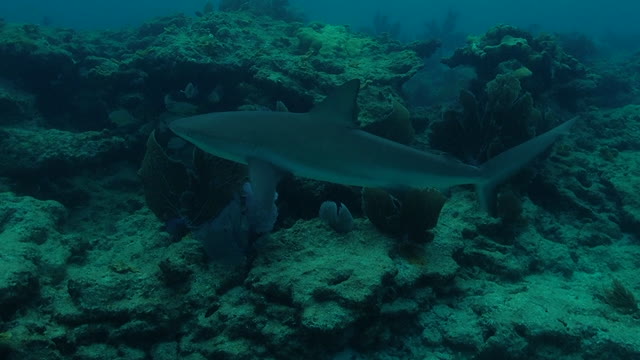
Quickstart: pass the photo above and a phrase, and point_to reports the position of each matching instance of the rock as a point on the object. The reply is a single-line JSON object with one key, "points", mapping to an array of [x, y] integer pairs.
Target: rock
{"points": [[29, 230], [332, 278], [16, 106], [46, 151], [549, 69], [396, 126]]}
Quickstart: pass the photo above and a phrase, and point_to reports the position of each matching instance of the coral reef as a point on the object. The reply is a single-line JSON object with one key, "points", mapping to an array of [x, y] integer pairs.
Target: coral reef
{"points": [[45, 152], [519, 79], [268, 61], [504, 49]]}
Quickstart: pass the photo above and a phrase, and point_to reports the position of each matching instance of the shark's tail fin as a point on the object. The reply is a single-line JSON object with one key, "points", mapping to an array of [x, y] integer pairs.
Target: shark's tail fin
{"points": [[500, 167]]}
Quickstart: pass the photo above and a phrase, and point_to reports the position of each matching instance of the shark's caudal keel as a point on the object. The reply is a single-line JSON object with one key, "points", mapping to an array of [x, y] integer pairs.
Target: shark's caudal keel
{"points": [[325, 144]]}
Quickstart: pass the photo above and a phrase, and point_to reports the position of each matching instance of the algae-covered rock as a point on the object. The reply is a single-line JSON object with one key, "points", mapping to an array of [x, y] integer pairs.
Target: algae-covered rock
{"points": [[502, 92], [500, 43], [81, 77], [16, 106], [309, 293], [395, 126], [26, 226], [18, 284], [309, 41], [122, 118], [100, 69], [549, 69], [601, 192], [301, 266], [36, 54], [50, 151], [509, 47]]}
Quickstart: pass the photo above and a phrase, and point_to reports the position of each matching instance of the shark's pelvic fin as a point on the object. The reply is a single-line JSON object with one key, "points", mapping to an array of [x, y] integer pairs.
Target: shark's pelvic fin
{"points": [[340, 106], [502, 166]]}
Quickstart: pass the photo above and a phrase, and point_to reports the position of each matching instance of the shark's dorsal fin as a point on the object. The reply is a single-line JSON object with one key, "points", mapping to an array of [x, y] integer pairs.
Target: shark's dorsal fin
{"points": [[340, 106]]}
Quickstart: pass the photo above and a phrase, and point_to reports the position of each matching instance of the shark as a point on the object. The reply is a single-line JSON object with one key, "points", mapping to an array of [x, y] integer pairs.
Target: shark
{"points": [[326, 144]]}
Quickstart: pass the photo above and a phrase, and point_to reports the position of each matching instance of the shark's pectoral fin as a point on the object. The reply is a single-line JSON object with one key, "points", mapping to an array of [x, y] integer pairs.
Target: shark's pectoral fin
{"points": [[261, 210]]}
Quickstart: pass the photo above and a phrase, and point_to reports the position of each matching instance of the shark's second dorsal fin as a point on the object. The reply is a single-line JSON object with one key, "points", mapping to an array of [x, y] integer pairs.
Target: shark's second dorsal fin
{"points": [[340, 106]]}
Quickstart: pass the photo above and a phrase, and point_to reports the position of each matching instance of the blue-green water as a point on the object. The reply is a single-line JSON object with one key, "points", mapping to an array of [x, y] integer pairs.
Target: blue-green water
{"points": [[591, 17]]}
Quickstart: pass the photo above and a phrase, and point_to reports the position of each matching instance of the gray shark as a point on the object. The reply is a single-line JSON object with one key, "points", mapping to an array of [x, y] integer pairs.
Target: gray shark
{"points": [[325, 144]]}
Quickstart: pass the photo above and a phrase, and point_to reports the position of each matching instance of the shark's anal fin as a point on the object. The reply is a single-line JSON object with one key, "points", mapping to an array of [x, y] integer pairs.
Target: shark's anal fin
{"points": [[264, 178]]}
